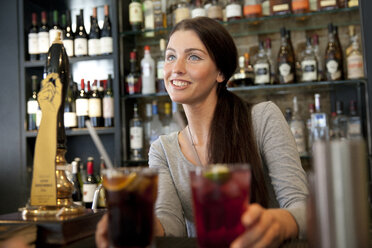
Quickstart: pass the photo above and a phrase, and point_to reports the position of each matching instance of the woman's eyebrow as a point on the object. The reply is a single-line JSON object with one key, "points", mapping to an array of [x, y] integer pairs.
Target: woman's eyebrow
{"points": [[188, 50]]}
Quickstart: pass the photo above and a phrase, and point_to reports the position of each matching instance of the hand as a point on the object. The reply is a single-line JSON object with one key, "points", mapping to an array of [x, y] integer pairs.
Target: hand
{"points": [[265, 227], [49, 96], [102, 233]]}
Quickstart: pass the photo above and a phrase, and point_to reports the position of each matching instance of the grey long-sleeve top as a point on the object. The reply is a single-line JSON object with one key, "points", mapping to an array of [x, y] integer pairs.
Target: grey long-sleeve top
{"points": [[284, 176]]}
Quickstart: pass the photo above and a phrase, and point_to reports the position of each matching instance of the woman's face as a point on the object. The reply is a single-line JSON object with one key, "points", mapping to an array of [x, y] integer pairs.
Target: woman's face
{"points": [[190, 74]]}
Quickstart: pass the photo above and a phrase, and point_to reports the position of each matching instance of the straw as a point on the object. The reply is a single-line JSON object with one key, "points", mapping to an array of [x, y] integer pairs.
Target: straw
{"points": [[98, 144]]}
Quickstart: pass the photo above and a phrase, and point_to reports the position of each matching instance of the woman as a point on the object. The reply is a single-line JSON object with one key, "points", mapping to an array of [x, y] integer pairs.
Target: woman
{"points": [[200, 58]]}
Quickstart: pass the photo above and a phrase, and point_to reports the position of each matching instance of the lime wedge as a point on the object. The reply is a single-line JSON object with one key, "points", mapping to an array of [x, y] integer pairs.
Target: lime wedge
{"points": [[218, 174]]}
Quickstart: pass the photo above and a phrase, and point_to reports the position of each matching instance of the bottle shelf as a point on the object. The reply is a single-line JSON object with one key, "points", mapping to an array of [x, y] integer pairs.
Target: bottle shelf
{"points": [[154, 95], [41, 63], [79, 131]]}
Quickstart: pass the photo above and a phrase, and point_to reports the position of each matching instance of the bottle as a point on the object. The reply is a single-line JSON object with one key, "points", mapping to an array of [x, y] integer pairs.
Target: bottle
{"points": [[32, 105], [354, 60], [300, 6], [136, 135], [354, 124], [94, 43], [102, 195], [198, 9], [70, 120], [95, 106], [182, 11], [297, 126], [160, 87], [159, 15], [147, 129], [280, 7], [108, 104], [339, 122], [313, 5], [319, 122], [328, 4], [319, 59], [166, 121], [214, 11], [308, 126], [90, 184], [148, 72], [286, 60], [266, 10], [77, 196], [149, 19], [240, 77], [156, 126], [333, 57], [68, 35], [82, 106], [252, 9], [133, 84], [43, 37], [106, 43], [271, 60], [135, 15], [174, 125], [82, 172], [81, 37], [288, 115], [33, 42], [233, 10], [262, 66], [352, 3], [55, 28], [352, 37], [309, 64]]}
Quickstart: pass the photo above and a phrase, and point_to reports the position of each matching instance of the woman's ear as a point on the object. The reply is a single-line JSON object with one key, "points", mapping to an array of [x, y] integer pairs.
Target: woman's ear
{"points": [[220, 77]]}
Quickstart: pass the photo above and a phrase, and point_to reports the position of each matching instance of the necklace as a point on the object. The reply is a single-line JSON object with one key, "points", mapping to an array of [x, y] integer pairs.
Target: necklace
{"points": [[193, 145]]}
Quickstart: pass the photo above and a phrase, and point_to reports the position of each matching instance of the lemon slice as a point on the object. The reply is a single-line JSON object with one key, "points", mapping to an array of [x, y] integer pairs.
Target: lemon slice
{"points": [[117, 183], [218, 174]]}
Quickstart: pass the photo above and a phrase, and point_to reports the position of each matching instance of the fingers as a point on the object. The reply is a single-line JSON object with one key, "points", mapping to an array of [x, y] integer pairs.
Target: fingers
{"points": [[101, 232]]}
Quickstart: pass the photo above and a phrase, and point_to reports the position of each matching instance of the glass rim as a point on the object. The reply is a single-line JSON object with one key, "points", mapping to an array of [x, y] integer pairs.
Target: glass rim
{"points": [[128, 170], [230, 166]]}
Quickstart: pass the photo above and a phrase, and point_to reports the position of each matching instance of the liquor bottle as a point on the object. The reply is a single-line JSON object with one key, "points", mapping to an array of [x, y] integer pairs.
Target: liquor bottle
{"points": [[214, 11], [82, 106], [198, 9], [354, 124], [81, 37], [55, 28], [288, 115], [108, 104], [182, 11], [309, 64], [148, 72], [308, 126], [352, 37], [166, 121], [68, 35], [354, 60], [319, 122], [159, 16], [240, 77], [285, 61], [95, 106], [271, 60], [135, 15], [160, 87], [43, 37], [106, 43], [333, 57], [149, 19], [33, 42], [262, 67], [252, 9], [70, 120], [90, 184], [328, 4], [171, 6], [319, 59], [147, 129], [136, 135], [297, 126], [339, 122], [233, 10], [280, 7], [300, 6], [77, 196], [32, 105], [94, 43], [156, 126], [133, 80]]}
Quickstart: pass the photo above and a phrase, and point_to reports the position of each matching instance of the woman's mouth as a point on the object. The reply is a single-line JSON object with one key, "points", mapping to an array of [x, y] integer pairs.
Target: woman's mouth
{"points": [[179, 83]]}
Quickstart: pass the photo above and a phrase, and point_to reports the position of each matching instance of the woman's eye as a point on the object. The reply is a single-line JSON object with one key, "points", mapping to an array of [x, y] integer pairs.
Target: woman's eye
{"points": [[194, 57], [170, 57]]}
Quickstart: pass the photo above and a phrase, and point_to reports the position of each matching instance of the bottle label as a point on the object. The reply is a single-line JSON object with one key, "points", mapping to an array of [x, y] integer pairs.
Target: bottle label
{"points": [[69, 46], [281, 7], [108, 107], [94, 47], [309, 70], [285, 72], [81, 46], [353, 129], [198, 12], [255, 9], [233, 10], [181, 14], [82, 107], [32, 107], [136, 137], [135, 13], [106, 45], [262, 73], [43, 42], [353, 3], [333, 70], [300, 5], [299, 135], [148, 12], [355, 66], [146, 70], [160, 69], [326, 3], [33, 43], [53, 35], [215, 12], [88, 190], [70, 119], [95, 109]]}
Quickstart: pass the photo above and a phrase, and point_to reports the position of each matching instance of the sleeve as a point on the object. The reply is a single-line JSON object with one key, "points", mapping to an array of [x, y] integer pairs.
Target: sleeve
{"points": [[168, 208], [280, 155]]}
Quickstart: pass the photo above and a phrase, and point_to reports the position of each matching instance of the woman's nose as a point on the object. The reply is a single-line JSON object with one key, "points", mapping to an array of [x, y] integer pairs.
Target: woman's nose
{"points": [[179, 67]]}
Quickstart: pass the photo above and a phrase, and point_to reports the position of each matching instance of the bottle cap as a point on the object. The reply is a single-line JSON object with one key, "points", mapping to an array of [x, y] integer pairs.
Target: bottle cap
{"points": [[147, 48], [133, 55]]}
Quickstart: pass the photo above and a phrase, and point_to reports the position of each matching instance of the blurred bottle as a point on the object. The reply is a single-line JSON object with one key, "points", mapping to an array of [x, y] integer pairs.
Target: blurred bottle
{"points": [[352, 37], [182, 11], [94, 43], [77, 196], [160, 87], [90, 184], [148, 72], [308, 125], [108, 104], [136, 135], [319, 58], [352, 3], [167, 119], [309, 64], [266, 8], [198, 9], [285, 60], [354, 124], [271, 59], [262, 66], [106, 43], [174, 125], [55, 28], [233, 10], [43, 36], [319, 122], [81, 37], [82, 172], [135, 15], [339, 122], [32, 105], [288, 115], [102, 195], [252, 9], [156, 126], [214, 11], [69, 116], [95, 106], [68, 35], [280, 7], [297, 126], [354, 61], [158, 13], [149, 19], [313, 5], [33, 42], [147, 129], [133, 80], [300, 6], [328, 4], [333, 57], [82, 106]]}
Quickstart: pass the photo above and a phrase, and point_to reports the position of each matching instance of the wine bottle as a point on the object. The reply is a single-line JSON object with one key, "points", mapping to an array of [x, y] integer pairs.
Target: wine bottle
{"points": [[106, 34], [108, 104], [136, 135], [94, 42], [309, 64], [77, 196], [70, 109], [82, 106], [33, 42], [333, 57], [81, 37], [286, 60], [55, 28], [43, 37], [262, 67], [68, 35], [133, 84], [135, 15], [32, 105], [95, 106], [90, 184]]}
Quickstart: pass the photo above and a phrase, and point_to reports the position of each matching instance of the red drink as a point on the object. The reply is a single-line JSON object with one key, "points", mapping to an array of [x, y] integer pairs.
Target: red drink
{"points": [[220, 196]]}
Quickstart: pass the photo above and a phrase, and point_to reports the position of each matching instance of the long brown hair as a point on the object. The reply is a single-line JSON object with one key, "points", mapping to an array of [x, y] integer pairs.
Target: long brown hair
{"points": [[231, 133]]}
